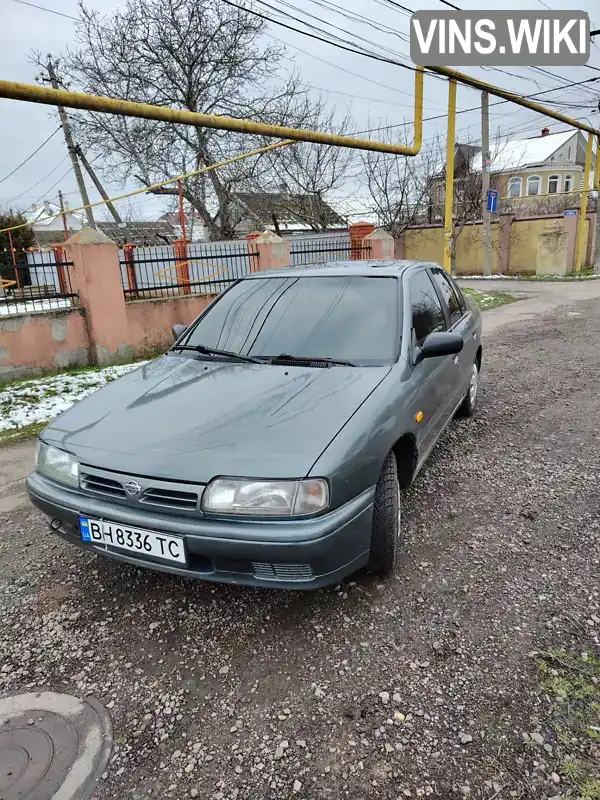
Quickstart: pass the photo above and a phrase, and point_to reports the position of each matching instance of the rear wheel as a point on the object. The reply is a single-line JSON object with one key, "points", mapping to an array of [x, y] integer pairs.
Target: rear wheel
{"points": [[386, 531], [467, 407]]}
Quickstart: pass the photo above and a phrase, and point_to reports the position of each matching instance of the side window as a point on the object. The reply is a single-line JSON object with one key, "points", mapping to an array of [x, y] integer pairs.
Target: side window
{"points": [[449, 294], [427, 314]]}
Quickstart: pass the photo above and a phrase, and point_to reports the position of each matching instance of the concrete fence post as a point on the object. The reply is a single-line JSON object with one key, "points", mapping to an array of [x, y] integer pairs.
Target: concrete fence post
{"points": [[272, 252], [381, 245], [570, 226], [591, 239], [97, 280]]}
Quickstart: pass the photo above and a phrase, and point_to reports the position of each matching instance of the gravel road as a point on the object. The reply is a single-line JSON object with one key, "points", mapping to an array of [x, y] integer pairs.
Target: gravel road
{"points": [[421, 685]]}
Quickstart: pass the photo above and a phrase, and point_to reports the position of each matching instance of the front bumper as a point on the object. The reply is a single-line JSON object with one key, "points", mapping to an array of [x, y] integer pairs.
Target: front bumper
{"points": [[300, 554]]}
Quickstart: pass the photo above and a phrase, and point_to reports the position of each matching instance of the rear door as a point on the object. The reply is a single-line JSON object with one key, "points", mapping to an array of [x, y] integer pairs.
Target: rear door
{"points": [[432, 377], [460, 320]]}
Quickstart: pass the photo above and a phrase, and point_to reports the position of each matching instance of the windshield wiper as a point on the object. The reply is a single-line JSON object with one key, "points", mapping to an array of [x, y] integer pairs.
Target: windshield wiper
{"points": [[212, 351], [330, 362]]}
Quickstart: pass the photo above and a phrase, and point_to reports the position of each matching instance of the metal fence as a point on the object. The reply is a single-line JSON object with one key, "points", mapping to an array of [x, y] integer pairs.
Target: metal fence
{"points": [[42, 284], [319, 249], [209, 267], [195, 268]]}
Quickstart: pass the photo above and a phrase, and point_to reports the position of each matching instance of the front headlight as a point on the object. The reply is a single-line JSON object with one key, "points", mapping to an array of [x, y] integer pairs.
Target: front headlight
{"points": [[57, 464], [265, 498]]}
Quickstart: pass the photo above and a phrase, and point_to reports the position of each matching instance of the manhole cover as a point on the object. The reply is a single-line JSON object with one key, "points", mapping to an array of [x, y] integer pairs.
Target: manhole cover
{"points": [[52, 746]]}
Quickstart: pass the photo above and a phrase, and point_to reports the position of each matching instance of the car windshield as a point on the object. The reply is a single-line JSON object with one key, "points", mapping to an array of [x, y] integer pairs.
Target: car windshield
{"points": [[345, 318]]}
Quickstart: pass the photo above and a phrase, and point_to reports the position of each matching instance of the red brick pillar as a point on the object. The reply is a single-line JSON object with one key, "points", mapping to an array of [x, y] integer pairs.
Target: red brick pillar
{"points": [[358, 231], [59, 255], [250, 238], [182, 265], [130, 269]]}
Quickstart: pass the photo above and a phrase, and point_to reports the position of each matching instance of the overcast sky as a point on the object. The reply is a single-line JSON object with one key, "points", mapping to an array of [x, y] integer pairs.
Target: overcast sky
{"points": [[371, 92]]}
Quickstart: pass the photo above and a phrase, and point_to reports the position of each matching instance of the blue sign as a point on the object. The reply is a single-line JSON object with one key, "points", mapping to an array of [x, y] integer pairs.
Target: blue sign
{"points": [[570, 213], [492, 200]]}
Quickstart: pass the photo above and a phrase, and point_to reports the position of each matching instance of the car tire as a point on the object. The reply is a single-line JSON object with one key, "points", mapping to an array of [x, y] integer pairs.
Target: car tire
{"points": [[386, 531], [467, 407]]}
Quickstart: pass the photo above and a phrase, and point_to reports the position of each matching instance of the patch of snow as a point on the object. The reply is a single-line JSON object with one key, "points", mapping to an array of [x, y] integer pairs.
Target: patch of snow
{"points": [[32, 306], [43, 399], [486, 277]]}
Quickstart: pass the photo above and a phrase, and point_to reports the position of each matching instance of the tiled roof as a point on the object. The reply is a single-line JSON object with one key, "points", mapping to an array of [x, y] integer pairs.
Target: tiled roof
{"points": [[288, 208]]}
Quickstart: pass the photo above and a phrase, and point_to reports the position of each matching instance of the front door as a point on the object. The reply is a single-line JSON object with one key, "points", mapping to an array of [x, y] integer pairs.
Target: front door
{"points": [[461, 321], [433, 377]]}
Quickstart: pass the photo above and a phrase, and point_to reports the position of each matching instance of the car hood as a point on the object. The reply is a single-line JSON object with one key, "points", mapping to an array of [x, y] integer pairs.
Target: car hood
{"points": [[191, 419]]}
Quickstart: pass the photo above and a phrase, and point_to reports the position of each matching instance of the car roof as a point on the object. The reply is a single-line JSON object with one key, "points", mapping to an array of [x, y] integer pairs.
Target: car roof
{"points": [[366, 267]]}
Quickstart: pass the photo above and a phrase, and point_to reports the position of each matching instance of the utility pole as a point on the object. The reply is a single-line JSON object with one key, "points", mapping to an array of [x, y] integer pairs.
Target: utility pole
{"points": [[96, 181], [485, 182], [64, 121], [181, 210], [63, 215]]}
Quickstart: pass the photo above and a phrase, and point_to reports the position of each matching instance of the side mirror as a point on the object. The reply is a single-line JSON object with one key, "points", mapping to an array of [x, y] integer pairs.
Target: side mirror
{"points": [[439, 344], [179, 330]]}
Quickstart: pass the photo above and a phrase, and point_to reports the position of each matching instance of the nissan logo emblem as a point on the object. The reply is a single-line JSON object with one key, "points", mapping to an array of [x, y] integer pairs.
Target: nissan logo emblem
{"points": [[132, 488]]}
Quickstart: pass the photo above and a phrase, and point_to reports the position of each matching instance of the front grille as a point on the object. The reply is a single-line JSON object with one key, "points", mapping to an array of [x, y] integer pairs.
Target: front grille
{"points": [[168, 498], [101, 485], [282, 572], [154, 492]]}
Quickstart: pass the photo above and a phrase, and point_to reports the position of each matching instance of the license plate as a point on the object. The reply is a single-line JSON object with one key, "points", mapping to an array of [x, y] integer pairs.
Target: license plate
{"points": [[135, 540]]}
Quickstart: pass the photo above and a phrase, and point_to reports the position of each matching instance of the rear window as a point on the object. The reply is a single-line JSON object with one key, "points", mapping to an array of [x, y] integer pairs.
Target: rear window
{"points": [[350, 318]]}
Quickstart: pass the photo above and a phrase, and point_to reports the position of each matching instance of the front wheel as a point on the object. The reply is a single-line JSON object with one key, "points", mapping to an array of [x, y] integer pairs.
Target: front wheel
{"points": [[467, 407], [386, 531]]}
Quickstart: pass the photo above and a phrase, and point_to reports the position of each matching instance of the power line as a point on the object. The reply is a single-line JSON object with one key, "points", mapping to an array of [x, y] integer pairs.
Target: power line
{"points": [[536, 69], [37, 183], [361, 52], [54, 185], [29, 157], [49, 10], [343, 69], [355, 16], [295, 18], [475, 108], [402, 8]]}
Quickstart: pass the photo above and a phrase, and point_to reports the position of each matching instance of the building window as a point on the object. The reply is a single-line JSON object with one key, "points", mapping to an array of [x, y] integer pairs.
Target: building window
{"points": [[568, 183], [569, 154], [515, 187], [554, 184], [533, 185]]}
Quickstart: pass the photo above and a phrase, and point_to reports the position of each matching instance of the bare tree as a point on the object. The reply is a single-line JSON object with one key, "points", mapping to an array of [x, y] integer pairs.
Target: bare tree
{"points": [[468, 186], [304, 174], [207, 57], [400, 188], [130, 210]]}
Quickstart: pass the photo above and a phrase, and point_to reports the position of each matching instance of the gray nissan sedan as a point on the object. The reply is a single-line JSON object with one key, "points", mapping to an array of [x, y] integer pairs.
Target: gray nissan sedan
{"points": [[269, 446]]}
